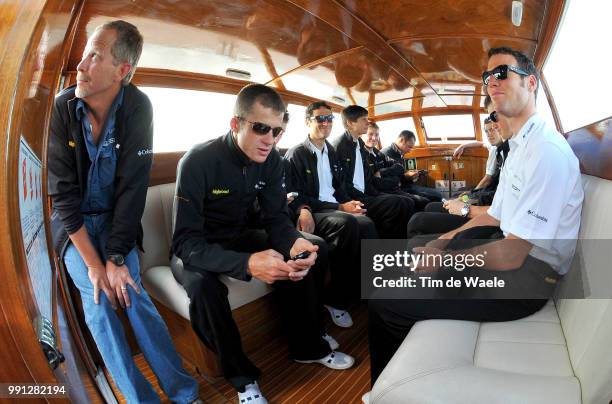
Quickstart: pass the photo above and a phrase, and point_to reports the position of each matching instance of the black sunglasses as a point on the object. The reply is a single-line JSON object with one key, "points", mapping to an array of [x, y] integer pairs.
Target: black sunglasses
{"points": [[493, 117], [322, 118], [263, 129], [501, 73]]}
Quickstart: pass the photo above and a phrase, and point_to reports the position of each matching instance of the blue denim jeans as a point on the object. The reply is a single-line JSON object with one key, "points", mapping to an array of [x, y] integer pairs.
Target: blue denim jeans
{"points": [[150, 330]]}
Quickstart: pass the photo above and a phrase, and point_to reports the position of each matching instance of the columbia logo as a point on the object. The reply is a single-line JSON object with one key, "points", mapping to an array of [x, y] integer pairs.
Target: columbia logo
{"points": [[532, 213], [144, 152]]}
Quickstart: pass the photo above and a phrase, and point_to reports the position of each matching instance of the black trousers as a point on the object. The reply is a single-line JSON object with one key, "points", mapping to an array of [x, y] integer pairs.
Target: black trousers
{"points": [[390, 214], [342, 231], [420, 202], [433, 223], [211, 315]]}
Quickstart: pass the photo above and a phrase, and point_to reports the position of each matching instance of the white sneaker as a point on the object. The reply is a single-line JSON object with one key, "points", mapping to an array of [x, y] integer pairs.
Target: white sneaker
{"points": [[341, 318], [333, 344], [251, 395], [365, 399], [334, 360]]}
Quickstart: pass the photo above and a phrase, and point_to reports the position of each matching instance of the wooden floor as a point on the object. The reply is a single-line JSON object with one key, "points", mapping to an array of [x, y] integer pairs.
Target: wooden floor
{"points": [[284, 381]]}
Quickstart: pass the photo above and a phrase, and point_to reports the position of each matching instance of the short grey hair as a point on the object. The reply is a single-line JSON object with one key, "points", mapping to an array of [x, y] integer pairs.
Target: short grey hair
{"points": [[127, 47]]}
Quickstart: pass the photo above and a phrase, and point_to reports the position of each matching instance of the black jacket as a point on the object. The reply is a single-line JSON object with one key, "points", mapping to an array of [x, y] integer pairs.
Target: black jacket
{"points": [[68, 165], [345, 151], [485, 195], [391, 173], [216, 189], [393, 152], [303, 177]]}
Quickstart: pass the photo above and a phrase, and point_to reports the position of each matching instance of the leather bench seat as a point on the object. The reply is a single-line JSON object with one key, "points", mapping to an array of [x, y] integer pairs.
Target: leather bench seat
{"points": [[561, 354], [156, 275]]}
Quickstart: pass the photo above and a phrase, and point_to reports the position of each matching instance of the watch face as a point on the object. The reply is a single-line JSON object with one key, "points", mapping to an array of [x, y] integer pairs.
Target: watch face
{"points": [[116, 259]]}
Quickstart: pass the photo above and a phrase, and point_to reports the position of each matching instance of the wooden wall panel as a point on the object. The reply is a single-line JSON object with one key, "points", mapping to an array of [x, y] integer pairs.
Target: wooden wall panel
{"points": [[592, 145]]}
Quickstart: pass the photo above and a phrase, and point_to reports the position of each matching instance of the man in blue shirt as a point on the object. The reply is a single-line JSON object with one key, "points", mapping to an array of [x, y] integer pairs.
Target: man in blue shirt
{"points": [[100, 155]]}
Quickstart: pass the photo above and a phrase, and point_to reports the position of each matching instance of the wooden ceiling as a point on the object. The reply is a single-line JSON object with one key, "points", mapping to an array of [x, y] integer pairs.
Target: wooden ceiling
{"points": [[383, 54]]}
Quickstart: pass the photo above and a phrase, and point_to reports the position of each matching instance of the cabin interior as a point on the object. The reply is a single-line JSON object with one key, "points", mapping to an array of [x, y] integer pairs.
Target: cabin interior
{"points": [[414, 65]]}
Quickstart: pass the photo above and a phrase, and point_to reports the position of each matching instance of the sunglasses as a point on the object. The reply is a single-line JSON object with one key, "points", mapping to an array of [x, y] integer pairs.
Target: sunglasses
{"points": [[322, 118], [263, 129], [493, 117], [501, 73]]}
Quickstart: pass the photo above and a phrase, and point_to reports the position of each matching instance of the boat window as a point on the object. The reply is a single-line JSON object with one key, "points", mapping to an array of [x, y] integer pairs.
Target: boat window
{"points": [[183, 118], [449, 128], [577, 64], [391, 128]]}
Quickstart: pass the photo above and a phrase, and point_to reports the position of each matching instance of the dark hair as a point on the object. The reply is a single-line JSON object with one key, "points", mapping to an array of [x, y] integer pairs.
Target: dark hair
{"points": [[127, 47], [487, 120], [316, 105], [524, 62], [252, 93], [372, 124], [286, 117], [487, 101], [406, 135], [353, 113]]}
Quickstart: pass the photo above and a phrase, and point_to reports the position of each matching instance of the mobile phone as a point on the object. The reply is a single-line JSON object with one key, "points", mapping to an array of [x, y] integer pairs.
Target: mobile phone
{"points": [[292, 194], [301, 256]]}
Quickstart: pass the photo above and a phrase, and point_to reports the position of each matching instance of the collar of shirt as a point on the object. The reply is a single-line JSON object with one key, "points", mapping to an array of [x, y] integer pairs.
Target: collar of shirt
{"points": [[81, 107], [522, 137], [315, 149]]}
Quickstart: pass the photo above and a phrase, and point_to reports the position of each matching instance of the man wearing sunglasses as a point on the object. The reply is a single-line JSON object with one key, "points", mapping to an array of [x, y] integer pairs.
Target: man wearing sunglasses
{"points": [[217, 185], [323, 207], [537, 206], [390, 213]]}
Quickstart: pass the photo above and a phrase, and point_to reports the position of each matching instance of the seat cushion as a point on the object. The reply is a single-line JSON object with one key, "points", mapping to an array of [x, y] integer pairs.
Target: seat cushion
{"points": [[160, 283], [449, 361]]}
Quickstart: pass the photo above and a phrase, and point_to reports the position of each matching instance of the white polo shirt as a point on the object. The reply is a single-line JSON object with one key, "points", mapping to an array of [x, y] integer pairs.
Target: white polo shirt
{"points": [[358, 175], [539, 196], [326, 189], [491, 160]]}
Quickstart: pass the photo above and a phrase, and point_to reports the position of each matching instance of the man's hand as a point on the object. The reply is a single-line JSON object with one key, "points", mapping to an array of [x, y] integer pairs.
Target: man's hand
{"points": [[301, 266], [458, 152], [119, 278], [431, 258], [268, 266], [305, 221], [454, 206], [354, 207], [377, 174], [411, 174], [97, 276]]}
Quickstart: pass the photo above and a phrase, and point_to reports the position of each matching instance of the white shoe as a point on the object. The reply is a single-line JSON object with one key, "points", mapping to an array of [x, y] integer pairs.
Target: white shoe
{"points": [[365, 399], [341, 318], [251, 395], [333, 344], [334, 360]]}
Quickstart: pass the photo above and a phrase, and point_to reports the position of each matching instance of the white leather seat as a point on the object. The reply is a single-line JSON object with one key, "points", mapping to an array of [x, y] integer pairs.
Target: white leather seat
{"points": [[156, 275], [562, 354]]}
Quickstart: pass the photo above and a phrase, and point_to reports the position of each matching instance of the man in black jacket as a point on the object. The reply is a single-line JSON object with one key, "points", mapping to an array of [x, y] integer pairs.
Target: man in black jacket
{"points": [[395, 151], [323, 207], [100, 153], [388, 173], [218, 182], [390, 213]]}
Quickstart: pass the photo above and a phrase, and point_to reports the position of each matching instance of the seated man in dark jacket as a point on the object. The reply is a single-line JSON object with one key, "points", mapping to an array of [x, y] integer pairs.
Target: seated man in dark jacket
{"points": [[217, 185], [395, 151], [389, 212], [323, 207], [100, 154], [388, 174]]}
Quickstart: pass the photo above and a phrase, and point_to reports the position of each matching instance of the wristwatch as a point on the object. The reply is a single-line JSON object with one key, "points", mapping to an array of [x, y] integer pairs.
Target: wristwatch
{"points": [[116, 259], [465, 210]]}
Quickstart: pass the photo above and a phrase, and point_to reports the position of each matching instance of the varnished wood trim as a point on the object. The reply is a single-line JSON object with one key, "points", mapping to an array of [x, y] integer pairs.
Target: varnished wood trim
{"points": [[450, 110], [424, 37], [317, 62], [548, 30], [164, 168], [596, 159], [551, 102], [271, 68], [349, 95], [397, 100]]}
